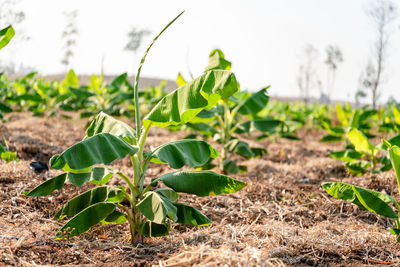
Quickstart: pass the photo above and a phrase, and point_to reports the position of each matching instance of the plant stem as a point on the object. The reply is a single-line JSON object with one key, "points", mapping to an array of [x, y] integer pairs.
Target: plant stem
{"points": [[128, 181]]}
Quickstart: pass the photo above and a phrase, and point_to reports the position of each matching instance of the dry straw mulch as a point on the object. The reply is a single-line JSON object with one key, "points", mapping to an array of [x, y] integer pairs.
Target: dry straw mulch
{"points": [[282, 218]]}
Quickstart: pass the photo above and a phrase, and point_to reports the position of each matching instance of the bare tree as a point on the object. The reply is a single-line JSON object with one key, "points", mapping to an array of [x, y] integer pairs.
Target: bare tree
{"points": [[69, 36], [307, 74], [135, 39], [382, 13], [334, 56]]}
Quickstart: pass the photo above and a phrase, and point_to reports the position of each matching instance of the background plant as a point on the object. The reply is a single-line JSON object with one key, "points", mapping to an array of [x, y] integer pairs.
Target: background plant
{"points": [[373, 201]]}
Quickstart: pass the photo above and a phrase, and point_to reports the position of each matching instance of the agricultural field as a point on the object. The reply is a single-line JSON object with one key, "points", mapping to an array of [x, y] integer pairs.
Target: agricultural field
{"points": [[112, 173]]}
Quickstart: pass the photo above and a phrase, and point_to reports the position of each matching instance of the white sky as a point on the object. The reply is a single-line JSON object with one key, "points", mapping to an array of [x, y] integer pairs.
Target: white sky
{"points": [[264, 39]]}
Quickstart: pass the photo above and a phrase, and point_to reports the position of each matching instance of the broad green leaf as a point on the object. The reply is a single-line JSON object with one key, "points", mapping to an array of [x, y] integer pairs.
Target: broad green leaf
{"points": [[345, 191], [168, 193], [373, 203], [367, 114], [201, 183], [217, 61], [152, 229], [6, 35], [183, 104], [346, 155], [341, 115], [101, 148], [189, 215], [48, 187], [255, 103], [104, 123], [119, 80], [88, 198], [360, 142], [230, 166], [394, 153], [86, 219], [115, 217], [156, 207], [190, 152], [241, 148], [180, 81]]}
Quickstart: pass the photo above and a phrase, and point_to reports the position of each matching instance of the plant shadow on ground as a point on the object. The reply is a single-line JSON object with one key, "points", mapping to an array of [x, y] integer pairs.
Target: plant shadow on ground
{"points": [[281, 218]]}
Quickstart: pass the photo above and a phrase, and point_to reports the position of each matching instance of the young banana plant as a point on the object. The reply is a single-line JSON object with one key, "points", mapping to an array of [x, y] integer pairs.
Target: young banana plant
{"points": [[150, 208], [222, 122], [364, 156], [373, 201]]}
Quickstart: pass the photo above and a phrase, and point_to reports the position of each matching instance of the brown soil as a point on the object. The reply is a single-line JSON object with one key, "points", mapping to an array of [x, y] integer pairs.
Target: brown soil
{"points": [[282, 217]]}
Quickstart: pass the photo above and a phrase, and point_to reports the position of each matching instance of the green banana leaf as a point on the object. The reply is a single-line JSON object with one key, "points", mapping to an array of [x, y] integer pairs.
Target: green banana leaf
{"points": [[85, 219], [346, 155], [255, 103], [88, 198], [360, 142], [48, 186], [189, 215], [373, 201], [201, 183], [183, 104], [156, 207], [104, 123], [101, 148], [6, 35], [192, 152]]}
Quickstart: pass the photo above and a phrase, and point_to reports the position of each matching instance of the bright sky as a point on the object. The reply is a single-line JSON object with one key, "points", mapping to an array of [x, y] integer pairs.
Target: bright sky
{"points": [[264, 39]]}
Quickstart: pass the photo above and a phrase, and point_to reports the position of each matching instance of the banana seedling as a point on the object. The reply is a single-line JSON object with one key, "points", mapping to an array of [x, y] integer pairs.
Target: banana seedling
{"points": [[150, 208], [373, 201], [364, 156]]}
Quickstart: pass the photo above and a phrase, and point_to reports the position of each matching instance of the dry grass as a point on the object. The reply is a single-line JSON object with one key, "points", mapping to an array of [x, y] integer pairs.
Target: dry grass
{"points": [[282, 218]]}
